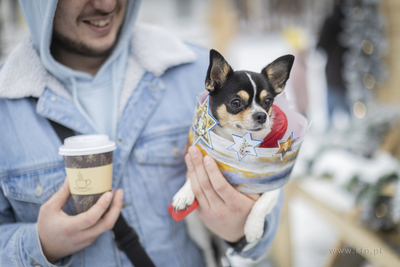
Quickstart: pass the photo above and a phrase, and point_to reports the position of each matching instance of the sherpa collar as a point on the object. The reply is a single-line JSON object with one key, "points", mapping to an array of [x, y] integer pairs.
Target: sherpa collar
{"points": [[152, 48]]}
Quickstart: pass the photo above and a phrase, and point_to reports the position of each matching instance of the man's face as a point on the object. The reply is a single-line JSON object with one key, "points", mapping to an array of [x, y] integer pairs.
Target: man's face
{"points": [[88, 27]]}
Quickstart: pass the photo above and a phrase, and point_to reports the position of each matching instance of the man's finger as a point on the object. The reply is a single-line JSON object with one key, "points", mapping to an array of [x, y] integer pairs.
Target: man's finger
{"points": [[89, 218], [221, 186], [196, 188], [108, 221], [203, 177], [252, 196], [185, 150], [59, 198]]}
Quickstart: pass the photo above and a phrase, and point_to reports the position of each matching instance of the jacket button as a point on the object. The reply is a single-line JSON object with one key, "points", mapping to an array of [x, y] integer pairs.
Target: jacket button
{"points": [[120, 141], [39, 188], [53, 98], [176, 153], [35, 264], [153, 87], [39, 191]]}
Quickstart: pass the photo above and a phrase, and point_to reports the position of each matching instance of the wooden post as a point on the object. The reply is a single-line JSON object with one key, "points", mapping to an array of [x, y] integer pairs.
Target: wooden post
{"points": [[224, 23], [390, 91], [281, 248], [353, 234]]}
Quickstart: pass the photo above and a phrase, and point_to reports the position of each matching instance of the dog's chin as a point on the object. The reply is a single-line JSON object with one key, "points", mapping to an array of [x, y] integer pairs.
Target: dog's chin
{"points": [[259, 133], [256, 133]]}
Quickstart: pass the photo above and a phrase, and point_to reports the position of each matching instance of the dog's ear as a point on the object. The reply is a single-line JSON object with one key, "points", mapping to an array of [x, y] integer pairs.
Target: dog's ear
{"points": [[278, 72], [217, 72]]}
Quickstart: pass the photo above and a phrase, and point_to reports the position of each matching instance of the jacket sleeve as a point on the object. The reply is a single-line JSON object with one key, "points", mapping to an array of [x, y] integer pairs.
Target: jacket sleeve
{"points": [[270, 228], [19, 242]]}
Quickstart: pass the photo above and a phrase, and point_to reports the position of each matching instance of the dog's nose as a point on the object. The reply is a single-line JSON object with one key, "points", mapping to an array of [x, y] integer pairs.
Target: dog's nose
{"points": [[260, 117]]}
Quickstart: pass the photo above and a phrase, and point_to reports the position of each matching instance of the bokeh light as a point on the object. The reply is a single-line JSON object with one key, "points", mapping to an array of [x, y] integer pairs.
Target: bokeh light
{"points": [[359, 110], [358, 14], [368, 81], [381, 210], [367, 47]]}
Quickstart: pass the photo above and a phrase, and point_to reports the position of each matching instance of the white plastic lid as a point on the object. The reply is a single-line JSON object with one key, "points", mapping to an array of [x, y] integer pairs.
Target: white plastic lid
{"points": [[86, 145]]}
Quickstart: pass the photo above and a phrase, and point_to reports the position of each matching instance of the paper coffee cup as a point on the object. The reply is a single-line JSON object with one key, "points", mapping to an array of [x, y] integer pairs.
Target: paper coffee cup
{"points": [[88, 164]]}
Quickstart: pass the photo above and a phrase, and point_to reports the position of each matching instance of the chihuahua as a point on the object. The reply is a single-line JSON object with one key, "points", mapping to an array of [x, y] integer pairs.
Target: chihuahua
{"points": [[241, 102]]}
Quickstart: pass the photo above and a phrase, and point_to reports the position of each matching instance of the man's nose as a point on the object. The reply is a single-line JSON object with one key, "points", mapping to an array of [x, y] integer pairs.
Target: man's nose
{"points": [[260, 117], [106, 6]]}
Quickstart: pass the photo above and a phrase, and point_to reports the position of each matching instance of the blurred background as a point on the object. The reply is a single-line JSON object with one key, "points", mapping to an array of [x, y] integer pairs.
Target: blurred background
{"points": [[342, 205]]}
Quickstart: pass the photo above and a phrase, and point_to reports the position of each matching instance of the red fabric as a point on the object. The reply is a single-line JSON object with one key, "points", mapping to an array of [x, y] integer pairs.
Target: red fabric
{"points": [[179, 216], [278, 129]]}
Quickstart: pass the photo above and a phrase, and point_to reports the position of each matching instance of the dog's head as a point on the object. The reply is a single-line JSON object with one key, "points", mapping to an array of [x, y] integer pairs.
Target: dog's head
{"points": [[241, 101]]}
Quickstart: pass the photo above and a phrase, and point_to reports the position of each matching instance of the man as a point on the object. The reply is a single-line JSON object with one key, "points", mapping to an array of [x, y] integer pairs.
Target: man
{"points": [[86, 67], [330, 41]]}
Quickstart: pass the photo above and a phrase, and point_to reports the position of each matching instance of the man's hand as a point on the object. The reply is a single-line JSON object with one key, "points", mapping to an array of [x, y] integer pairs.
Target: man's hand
{"points": [[222, 209], [62, 235]]}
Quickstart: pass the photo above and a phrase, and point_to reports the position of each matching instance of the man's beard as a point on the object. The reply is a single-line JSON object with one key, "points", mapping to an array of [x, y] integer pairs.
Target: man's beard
{"points": [[80, 48]]}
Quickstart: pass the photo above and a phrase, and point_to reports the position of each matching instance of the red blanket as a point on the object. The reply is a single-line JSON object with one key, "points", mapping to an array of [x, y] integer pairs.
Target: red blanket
{"points": [[278, 129]]}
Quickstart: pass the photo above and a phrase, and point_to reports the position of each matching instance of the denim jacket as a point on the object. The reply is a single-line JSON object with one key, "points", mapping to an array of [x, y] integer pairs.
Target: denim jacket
{"points": [[148, 162]]}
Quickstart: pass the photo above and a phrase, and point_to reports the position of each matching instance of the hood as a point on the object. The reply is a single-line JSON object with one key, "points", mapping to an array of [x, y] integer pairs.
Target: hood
{"points": [[152, 50], [39, 15], [96, 97]]}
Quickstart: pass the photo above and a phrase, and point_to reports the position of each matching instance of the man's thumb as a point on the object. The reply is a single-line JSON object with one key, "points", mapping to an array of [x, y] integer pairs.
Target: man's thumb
{"points": [[61, 197]]}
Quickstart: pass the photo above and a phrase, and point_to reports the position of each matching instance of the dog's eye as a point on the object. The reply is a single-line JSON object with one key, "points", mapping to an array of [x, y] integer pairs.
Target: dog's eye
{"points": [[236, 103], [267, 102]]}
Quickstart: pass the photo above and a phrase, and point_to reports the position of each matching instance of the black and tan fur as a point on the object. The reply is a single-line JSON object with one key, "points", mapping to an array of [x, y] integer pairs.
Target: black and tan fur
{"points": [[241, 101]]}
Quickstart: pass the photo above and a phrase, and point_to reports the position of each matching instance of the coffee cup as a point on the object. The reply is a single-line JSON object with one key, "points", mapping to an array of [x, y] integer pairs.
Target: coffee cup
{"points": [[88, 164]]}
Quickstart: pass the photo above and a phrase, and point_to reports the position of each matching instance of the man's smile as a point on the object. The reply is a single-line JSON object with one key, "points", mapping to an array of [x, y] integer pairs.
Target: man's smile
{"points": [[100, 26], [98, 22]]}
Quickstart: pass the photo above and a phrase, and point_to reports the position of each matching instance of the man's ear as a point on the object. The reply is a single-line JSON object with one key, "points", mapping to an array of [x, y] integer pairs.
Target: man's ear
{"points": [[278, 72], [217, 72]]}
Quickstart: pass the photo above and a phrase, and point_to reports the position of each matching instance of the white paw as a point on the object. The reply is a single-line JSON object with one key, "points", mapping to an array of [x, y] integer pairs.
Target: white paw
{"points": [[254, 229], [184, 198]]}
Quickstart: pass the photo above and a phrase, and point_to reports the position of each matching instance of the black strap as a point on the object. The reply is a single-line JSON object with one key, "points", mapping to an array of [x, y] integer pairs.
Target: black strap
{"points": [[125, 236], [62, 131], [128, 241]]}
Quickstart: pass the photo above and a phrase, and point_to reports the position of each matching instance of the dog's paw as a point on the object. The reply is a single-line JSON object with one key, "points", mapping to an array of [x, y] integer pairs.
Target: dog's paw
{"points": [[183, 199], [254, 229]]}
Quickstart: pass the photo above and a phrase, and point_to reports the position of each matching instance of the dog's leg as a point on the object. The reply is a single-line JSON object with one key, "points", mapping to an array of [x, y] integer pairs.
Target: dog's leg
{"points": [[202, 237], [254, 226], [197, 231], [184, 197]]}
